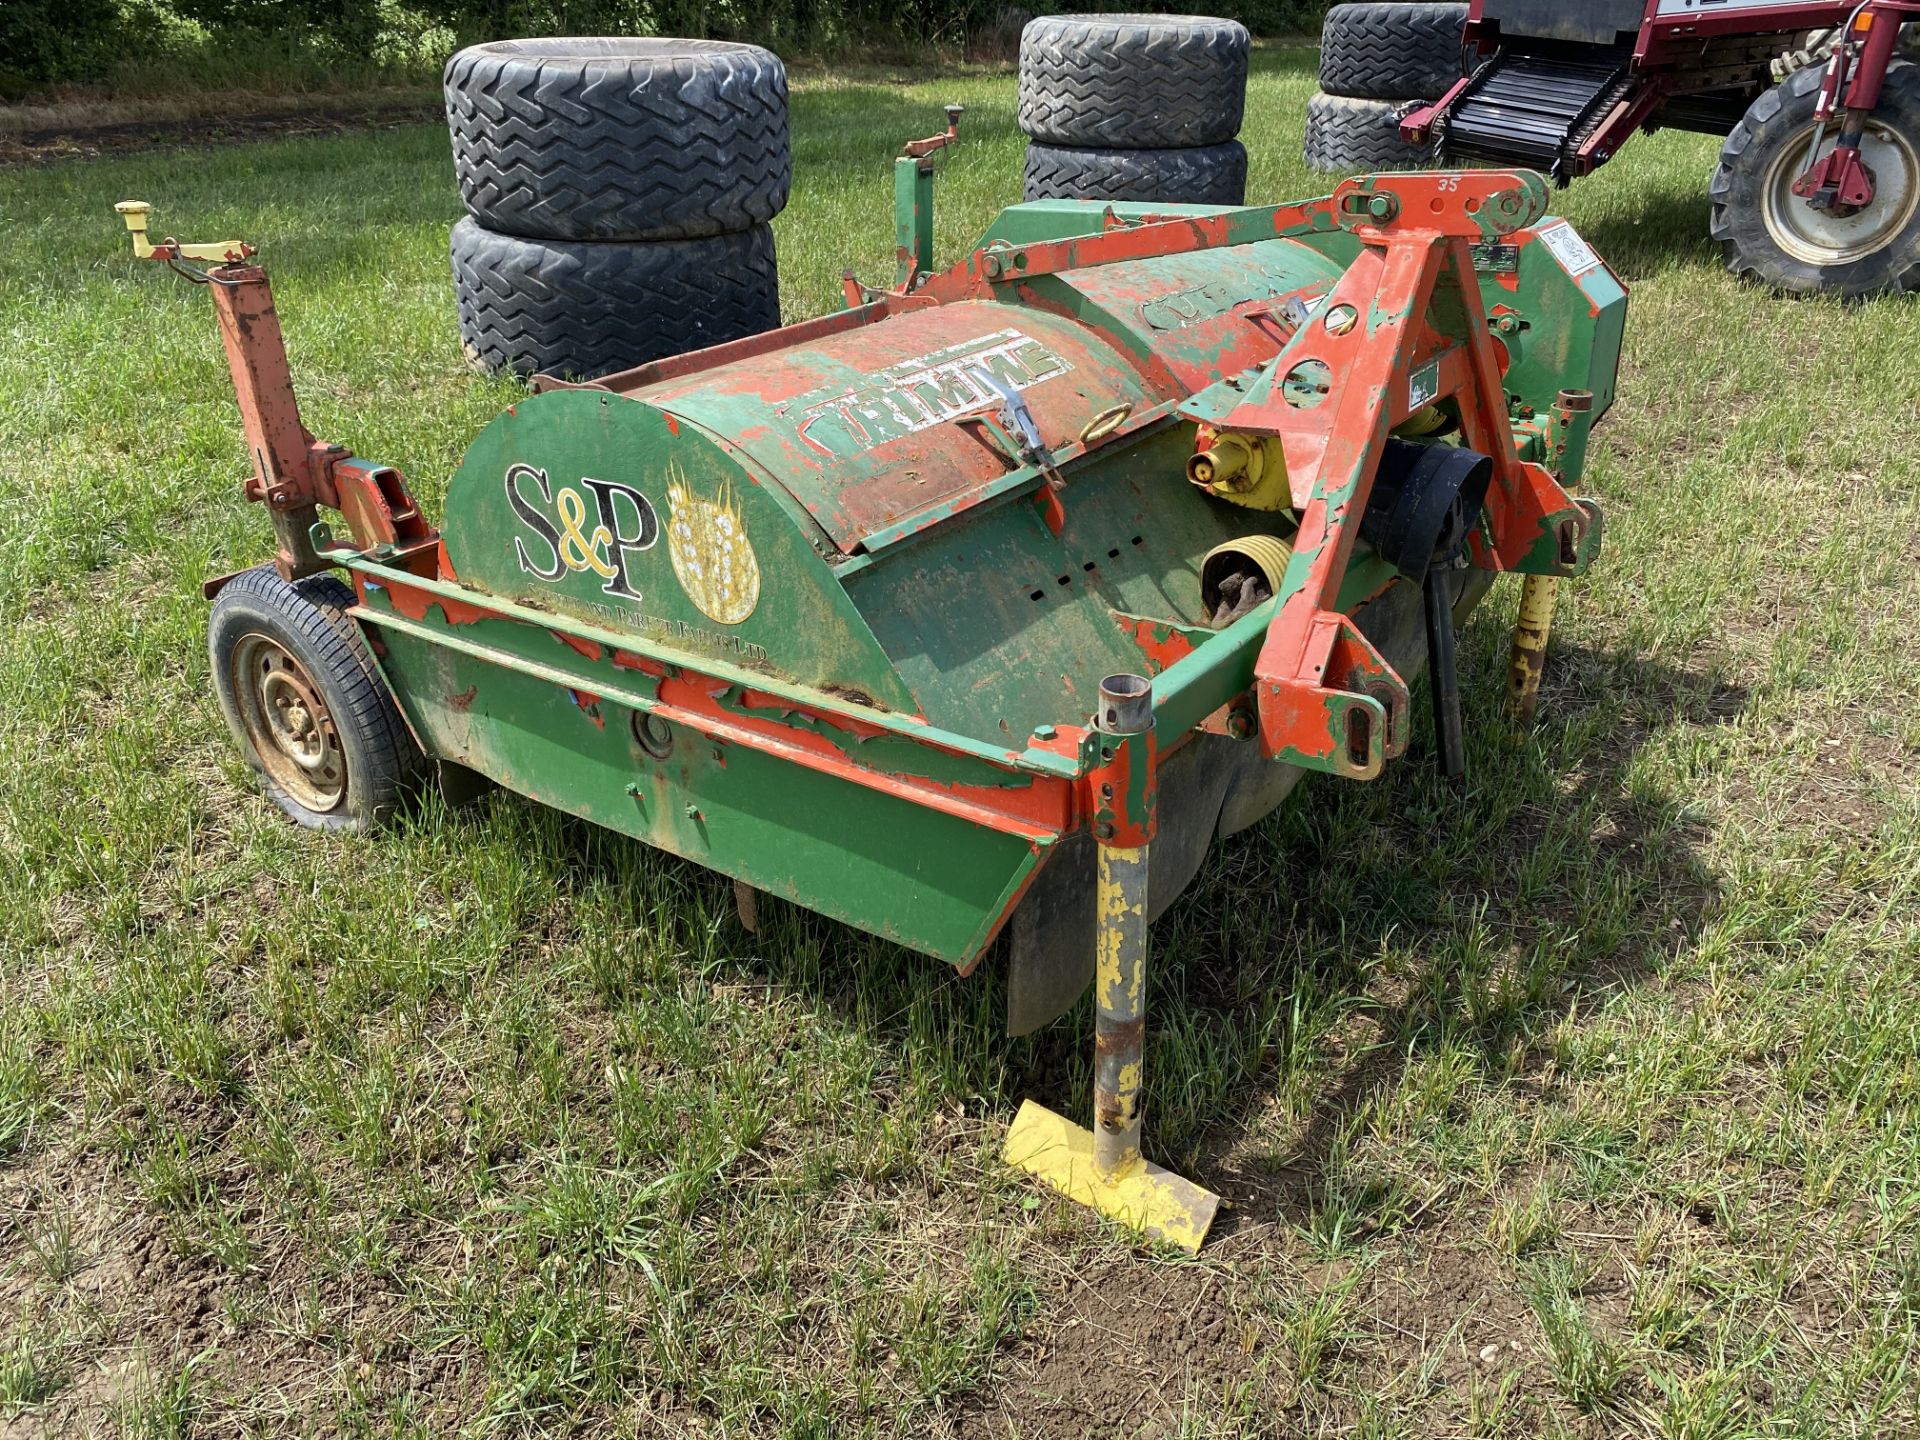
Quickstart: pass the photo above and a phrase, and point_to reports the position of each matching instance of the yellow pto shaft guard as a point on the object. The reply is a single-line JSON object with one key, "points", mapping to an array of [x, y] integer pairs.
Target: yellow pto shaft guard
{"points": [[1249, 470]]}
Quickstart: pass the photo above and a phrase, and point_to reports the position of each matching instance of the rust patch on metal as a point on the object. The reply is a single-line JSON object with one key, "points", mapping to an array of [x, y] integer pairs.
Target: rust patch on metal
{"points": [[1119, 1038], [590, 649], [1161, 642], [746, 900], [417, 604]]}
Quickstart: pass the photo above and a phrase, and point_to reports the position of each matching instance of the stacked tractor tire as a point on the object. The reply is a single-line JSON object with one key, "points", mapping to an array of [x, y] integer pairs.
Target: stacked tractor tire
{"points": [[1134, 107], [1377, 62], [617, 193]]}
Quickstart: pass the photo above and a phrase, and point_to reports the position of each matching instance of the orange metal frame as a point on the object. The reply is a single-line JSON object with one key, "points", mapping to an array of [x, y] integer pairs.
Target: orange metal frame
{"points": [[1409, 306]]}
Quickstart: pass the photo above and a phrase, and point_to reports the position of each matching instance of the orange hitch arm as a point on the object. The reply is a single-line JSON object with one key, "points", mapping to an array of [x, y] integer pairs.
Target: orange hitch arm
{"points": [[1403, 328]]}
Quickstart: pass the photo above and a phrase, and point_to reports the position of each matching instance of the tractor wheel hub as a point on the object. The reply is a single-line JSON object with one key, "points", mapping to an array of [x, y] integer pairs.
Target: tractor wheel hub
{"points": [[1844, 233]]}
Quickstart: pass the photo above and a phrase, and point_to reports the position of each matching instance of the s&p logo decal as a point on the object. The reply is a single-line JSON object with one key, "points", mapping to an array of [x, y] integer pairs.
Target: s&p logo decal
{"points": [[571, 536]]}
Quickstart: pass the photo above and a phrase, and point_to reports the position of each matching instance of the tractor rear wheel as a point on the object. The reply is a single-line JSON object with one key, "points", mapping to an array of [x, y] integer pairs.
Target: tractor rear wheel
{"points": [[1774, 236], [302, 696]]}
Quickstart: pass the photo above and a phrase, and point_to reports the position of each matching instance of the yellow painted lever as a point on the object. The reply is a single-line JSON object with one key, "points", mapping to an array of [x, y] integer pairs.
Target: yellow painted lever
{"points": [[135, 213]]}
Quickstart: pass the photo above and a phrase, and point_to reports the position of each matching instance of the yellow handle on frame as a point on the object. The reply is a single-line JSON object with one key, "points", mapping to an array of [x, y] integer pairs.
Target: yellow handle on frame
{"points": [[135, 213]]}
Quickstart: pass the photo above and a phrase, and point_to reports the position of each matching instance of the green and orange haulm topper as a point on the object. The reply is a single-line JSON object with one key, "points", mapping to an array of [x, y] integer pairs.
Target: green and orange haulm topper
{"points": [[971, 614]]}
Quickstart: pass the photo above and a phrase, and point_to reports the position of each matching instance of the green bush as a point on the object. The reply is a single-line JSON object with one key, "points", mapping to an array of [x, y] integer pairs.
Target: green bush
{"points": [[322, 22], [46, 42], [42, 41]]}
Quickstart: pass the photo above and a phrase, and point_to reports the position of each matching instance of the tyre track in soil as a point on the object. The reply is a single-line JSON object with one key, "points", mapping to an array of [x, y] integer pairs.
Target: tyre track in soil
{"points": [[54, 144]]}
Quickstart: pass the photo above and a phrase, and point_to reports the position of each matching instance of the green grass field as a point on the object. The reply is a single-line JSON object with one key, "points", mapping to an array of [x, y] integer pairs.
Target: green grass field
{"points": [[1588, 1105]]}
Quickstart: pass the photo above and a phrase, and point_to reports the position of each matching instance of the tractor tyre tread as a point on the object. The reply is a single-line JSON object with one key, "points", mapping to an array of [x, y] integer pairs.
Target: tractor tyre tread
{"points": [[1145, 82], [1398, 51], [587, 308], [619, 139], [1196, 175], [310, 619], [1779, 117], [1348, 137]]}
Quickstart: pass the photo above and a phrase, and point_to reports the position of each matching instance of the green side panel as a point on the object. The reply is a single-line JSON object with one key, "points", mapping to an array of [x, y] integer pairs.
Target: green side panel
{"points": [[603, 508], [1574, 312], [1188, 309], [1608, 297], [874, 860], [999, 626]]}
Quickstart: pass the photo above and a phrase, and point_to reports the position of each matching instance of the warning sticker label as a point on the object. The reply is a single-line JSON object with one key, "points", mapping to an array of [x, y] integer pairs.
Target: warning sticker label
{"points": [[1576, 257]]}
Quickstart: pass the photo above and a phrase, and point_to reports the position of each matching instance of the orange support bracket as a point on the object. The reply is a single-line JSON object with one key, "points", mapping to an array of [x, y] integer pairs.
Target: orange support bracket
{"points": [[278, 444], [296, 474], [1403, 327]]}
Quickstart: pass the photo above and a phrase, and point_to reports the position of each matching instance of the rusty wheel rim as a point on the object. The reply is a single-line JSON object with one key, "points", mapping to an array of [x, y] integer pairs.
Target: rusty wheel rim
{"points": [[288, 725]]}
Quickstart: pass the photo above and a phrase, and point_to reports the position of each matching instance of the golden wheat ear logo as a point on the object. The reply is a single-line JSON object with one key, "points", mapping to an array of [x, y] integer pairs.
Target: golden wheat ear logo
{"points": [[711, 553]]}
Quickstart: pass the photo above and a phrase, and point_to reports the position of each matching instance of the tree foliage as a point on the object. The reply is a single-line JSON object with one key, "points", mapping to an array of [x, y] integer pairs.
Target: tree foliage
{"points": [[45, 42]]}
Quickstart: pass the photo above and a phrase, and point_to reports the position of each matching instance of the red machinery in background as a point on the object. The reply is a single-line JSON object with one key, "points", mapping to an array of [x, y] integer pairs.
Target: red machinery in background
{"points": [[1818, 186]]}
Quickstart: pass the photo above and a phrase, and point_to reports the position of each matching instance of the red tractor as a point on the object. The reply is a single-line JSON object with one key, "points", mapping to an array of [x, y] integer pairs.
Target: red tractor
{"points": [[1818, 185]]}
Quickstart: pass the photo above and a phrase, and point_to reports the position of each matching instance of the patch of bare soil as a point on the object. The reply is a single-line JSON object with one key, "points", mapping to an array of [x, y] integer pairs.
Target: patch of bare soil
{"points": [[78, 140], [1840, 790], [1132, 1348], [131, 1308], [1120, 1350]]}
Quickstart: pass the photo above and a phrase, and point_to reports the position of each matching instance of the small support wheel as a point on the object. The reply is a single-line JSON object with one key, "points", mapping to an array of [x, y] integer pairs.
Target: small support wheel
{"points": [[1774, 236], [304, 700]]}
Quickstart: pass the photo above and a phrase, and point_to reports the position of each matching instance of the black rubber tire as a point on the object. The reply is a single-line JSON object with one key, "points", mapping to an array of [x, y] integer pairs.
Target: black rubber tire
{"points": [[1149, 82], [619, 139], [1772, 133], [1200, 175], [1395, 51], [586, 309], [1350, 137], [309, 621]]}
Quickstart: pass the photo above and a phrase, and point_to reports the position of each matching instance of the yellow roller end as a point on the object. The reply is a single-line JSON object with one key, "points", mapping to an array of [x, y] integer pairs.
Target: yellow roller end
{"points": [[1143, 1197]]}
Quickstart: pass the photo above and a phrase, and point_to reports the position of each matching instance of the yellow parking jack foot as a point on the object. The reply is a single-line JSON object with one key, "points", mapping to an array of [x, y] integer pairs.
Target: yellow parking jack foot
{"points": [[1141, 1196]]}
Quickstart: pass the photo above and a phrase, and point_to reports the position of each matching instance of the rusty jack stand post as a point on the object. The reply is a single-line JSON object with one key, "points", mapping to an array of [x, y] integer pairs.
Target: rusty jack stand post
{"points": [[1103, 1168], [913, 204], [1572, 419], [279, 445], [1531, 632]]}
